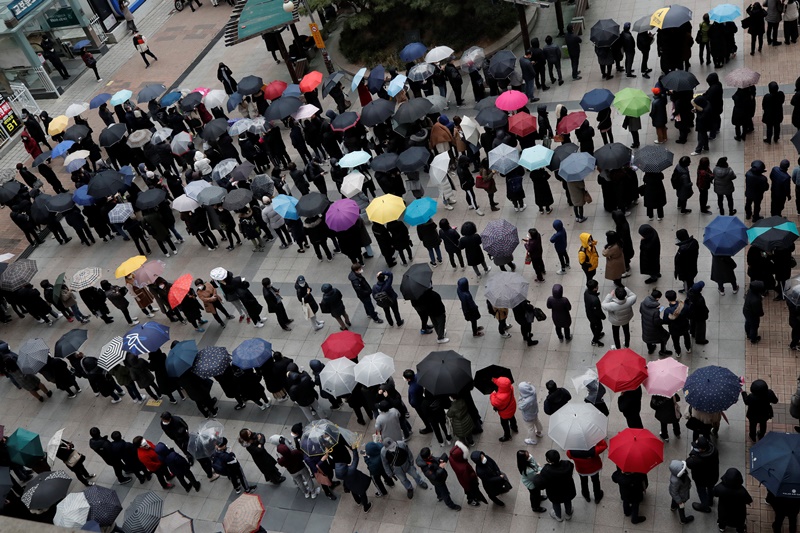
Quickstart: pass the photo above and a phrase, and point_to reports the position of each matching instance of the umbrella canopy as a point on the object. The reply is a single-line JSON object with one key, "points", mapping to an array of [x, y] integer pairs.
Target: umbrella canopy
{"points": [[70, 342], [384, 162], [492, 117], [76, 109], [725, 236], [336, 77], [673, 16], [622, 370], [239, 127], [282, 108], [76, 156], [150, 198], [632, 102], [144, 338], [604, 32], [175, 522], [571, 122], [58, 125], [416, 281], [342, 344], [376, 112], [342, 214], [421, 72], [311, 204], [32, 356], [143, 513], [503, 159], [179, 290], [507, 290], [148, 273], [338, 377], [99, 100], [521, 124], [775, 463], [170, 98], [104, 506], [120, 97], [111, 354], [483, 378], [413, 51], [237, 199], [252, 353], [285, 206], [577, 426], [413, 159], [439, 167], [75, 164], [194, 188], [320, 436], [653, 159], [112, 135], [9, 190], [120, 213], [46, 489], [202, 443], [60, 202], [636, 450], [183, 203], [61, 148], [374, 369], [612, 156], [376, 79], [597, 100], [42, 158], [105, 183], [181, 358], [151, 92], [244, 514], [24, 447], [357, 157], [791, 290], [420, 211], [445, 372], [306, 111], [502, 64], [473, 58], [274, 89], [724, 13], [344, 121], [333, 80], [470, 129], [575, 167], [212, 195], [352, 184], [438, 54], [311, 81], [712, 389], [385, 208], [642, 24], [412, 110], [180, 143], [742, 78], [500, 238], [214, 129], [242, 171], [215, 98], [665, 377], [211, 361], [511, 100], [249, 85], [81, 196], [680, 80], [72, 511], [397, 84], [773, 233], [85, 278]]}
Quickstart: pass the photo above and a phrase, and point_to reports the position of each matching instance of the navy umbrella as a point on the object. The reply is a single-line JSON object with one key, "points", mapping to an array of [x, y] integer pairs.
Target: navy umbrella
{"points": [[725, 236], [211, 361], [775, 462], [384, 162], [413, 51], [144, 338], [43, 157], [249, 85], [597, 100], [712, 389], [234, 100], [492, 117], [502, 64], [376, 79], [344, 121], [413, 159], [252, 353]]}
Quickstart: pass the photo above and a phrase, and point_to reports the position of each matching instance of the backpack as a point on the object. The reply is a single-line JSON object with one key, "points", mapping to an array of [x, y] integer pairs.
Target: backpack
{"points": [[675, 180], [383, 299]]}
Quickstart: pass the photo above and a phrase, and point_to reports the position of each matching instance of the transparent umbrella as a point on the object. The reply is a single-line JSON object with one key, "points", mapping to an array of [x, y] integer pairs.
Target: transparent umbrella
{"points": [[202, 443], [321, 436], [791, 290]]}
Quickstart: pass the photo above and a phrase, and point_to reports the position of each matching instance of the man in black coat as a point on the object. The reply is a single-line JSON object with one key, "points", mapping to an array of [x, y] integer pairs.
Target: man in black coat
{"points": [[557, 397], [631, 491], [686, 259], [35, 130], [177, 429], [574, 50], [594, 311], [703, 461], [47, 173], [433, 468], [198, 390], [528, 76], [103, 447], [629, 48], [301, 390], [630, 405], [755, 185], [363, 291], [128, 454], [644, 40], [557, 481], [430, 303]]}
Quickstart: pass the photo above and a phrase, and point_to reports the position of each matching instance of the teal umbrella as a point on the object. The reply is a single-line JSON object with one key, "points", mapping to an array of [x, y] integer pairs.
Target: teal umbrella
{"points": [[773, 233], [120, 97], [535, 157], [420, 211], [24, 447]]}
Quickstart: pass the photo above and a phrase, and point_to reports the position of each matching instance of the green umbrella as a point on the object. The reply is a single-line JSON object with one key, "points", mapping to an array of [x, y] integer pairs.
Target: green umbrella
{"points": [[632, 102], [24, 447], [57, 289]]}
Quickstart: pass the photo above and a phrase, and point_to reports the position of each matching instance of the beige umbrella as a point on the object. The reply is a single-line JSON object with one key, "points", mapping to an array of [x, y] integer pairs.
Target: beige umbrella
{"points": [[80, 154], [244, 514]]}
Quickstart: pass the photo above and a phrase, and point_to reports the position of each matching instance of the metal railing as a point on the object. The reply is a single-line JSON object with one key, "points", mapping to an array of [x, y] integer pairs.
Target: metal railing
{"points": [[21, 99], [94, 22]]}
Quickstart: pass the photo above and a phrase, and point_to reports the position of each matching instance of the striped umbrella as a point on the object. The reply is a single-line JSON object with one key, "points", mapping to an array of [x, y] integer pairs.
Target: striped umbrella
{"points": [[143, 514], [211, 361], [85, 278], [244, 514], [72, 511], [32, 356], [104, 504], [111, 354], [18, 274]]}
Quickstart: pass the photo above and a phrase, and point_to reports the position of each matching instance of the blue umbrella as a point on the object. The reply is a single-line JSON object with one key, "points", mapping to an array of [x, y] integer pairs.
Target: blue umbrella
{"points": [[396, 85], [285, 206], [120, 97], [503, 159], [144, 338], [376, 79], [724, 13], [420, 211], [61, 149], [99, 100], [775, 462], [597, 100], [211, 361], [127, 174], [712, 389], [413, 51], [81, 196], [357, 78], [292, 90], [725, 236], [576, 166], [234, 100], [80, 44], [75, 165], [91, 525], [354, 159], [252, 353], [170, 98], [181, 358], [535, 157]]}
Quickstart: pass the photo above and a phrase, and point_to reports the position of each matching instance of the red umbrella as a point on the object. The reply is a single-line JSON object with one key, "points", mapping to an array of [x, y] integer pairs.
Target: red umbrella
{"points": [[275, 89], [511, 100], [343, 344], [179, 290], [622, 370], [521, 124], [636, 450], [310, 81], [571, 122]]}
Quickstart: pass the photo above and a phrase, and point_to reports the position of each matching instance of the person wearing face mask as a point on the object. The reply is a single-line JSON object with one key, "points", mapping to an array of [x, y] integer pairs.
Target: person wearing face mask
{"points": [[363, 291], [212, 301], [495, 482], [275, 303], [310, 306], [160, 290]]}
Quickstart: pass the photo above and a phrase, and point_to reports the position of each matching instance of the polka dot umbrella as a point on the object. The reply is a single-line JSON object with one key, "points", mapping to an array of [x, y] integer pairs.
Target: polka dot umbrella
{"points": [[211, 361], [712, 389]]}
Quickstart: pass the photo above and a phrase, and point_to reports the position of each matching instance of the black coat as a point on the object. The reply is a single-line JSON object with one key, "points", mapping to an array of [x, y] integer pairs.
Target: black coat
{"points": [[431, 302], [261, 457], [772, 105], [733, 499], [723, 269], [555, 400], [655, 195], [759, 403], [686, 259], [593, 305], [399, 233], [428, 234], [557, 481], [630, 402], [494, 482], [631, 485], [664, 408], [649, 251], [704, 465], [471, 244]]}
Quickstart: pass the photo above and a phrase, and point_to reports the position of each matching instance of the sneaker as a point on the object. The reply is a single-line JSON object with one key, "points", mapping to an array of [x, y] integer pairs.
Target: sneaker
{"points": [[369, 507], [554, 517], [214, 477], [239, 491], [505, 335], [531, 441], [444, 340], [117, 400], [259, 324], [561, 271]]}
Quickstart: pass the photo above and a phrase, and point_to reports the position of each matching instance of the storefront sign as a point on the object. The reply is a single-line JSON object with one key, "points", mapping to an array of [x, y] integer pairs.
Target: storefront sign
{"points": [[317, 36], [62, 18], [8, 119], [20, 8]]}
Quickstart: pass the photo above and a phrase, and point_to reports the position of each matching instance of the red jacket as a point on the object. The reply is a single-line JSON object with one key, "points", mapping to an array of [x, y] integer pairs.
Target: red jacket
{"points": [[503, 399], [149, 457], [465, 474], [588, 462]]}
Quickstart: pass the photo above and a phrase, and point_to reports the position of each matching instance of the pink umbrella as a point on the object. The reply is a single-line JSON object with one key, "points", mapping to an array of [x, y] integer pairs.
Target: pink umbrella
{"points": [[202, 90], [148, 273], [342, 214], [511, 100], [665, 377]]}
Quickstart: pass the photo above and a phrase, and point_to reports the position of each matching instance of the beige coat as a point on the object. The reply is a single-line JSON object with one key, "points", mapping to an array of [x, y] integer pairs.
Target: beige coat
{"points": [[440, 134], [615, 262], [209, 296], [576, 190]]}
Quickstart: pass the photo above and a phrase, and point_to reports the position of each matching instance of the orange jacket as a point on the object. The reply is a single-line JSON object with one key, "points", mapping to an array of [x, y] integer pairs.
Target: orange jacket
{"points": [[503, 399]]}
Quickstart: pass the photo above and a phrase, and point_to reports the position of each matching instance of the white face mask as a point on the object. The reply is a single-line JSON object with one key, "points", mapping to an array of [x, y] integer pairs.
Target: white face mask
{"points": [[201, 287], [483, 460]]}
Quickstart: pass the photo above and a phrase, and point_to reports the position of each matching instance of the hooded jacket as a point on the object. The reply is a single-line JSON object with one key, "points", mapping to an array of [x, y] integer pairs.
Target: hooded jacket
{"points": [[464, 472], [759, 401], [560, 307], [176, 463], [620, 312], [615, 261], [502, 399], [396, 454], [528, 403], [459, 416], [714, 93], [557, 397], [679, 482], [494, 481], [593, 305], [301, 389], [781, 182], [682, 182], [588, 257], [664, 408], [373, 458], [753, 306], [291, 460], [723, 179], [559, 238], [733, 499], [772, 104], [468, 305], [755, 183], [649, 251], [588, 462], [686, 256], [704, 464], [331, 301], [698, 302], [631, 485]]}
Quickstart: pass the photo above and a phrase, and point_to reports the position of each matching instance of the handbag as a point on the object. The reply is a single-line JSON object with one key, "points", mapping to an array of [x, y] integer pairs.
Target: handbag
{"points": [[322, 479], [480, 183], [73, 459], [558, 138], [547, 142], [539, 314], [528, 259], [699, 37], [587, 198]]}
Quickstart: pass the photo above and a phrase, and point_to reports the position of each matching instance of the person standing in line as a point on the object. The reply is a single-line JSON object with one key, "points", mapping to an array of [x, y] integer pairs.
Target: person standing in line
{"points": [[780, 188], [680, 486], [460, 420], [116, 295], [699, 315], [29, 382], [152, 462], [504, 403], [431, 240], [759, 408], [559, 240], [212, 302], [398, 462], [431, 304], [588, 465], [676, 316], [756, 185], [275, 304], [594, 311], [226, 464], [363, 291], [292, 461], [619, 306], [451, 238], [574, 50], [703, 462], [552, 53], [629, 48], [557, 397], [310, 306], [561, 308], [386, 297], [495, 482], [434, 469], [533, 248], [784, 506], [129, 455], [102, 447], [772, 107], [317, 367], [686, 258], [332, 303], [179, 466], [644, 40], [177, 429], [667, 412], [753, 310], [629, 403], [140, 43], [733, 497], [631, 491], [469, 307], [355, 481], [416, 399], [528, 471], [74, 460], [467, 477], [373, 459], [529, 407], [556, 479]]}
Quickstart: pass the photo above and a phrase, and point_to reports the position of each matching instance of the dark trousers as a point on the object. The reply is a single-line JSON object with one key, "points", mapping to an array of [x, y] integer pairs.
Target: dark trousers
{"points": [[163, 245], [379, 479], [697, 328], [562, 332], [758, 428], [626, 330], [117, 466], [283, 235], [633, 419], [187, 480], [205, 464], [457, 91], [630, 509], [84, 234], [443, 494], [773, 131], [93, 68], [563, 258], [595, 485], [703, 199], [32, 237], [676, 340], [231, 233], [440, 428], [567, 508], [438, 322], [780, 514], [393, 308], [676, 429], [707, 48], [361, 499], [596, 326], [704, 493], [605, 70], [147, 53], [58, 232], [751, 325], [557, 67], [752, 207], [720, 198], [236, 475], [645, 57], [280, 314], [536, 498], [207, 238], [369, 307], [574, 60], [319, 247], [753, 39], [138, 470], [509, 425], [80, 471], [139, 241], [162, 474], [772, 32]]}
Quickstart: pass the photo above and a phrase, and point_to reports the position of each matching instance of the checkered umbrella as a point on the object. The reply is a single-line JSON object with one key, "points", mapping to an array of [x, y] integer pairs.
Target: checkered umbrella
{"points": [[18, 274], [120, 213], [46, 489], [32, 356], [500, 238], [104, 504], [211, 361], [653, 159], [85, 278], [244, 514], [72, 511], [144, 513], [111, 354]]}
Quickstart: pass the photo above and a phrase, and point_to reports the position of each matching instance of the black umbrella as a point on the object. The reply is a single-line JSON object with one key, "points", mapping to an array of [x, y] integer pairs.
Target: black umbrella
{"points": [[384, 162], [446, 372], [242, 171], [60, 202], [486, 103], [150, 198], [237, 199], [282, 107], [151, 92], [502, 64], [796, 141], [46, 490], [190, 101], [492, 117], [416, 281], [604, 32], [412, 110], [41, 158], [39, 211], [331, 82], [249, 85], [376, 112], [70, 342], [377, 77], [311, 204], [262, 185], [344, 121], [105, 183], [76, 132], [483, 377], [653, 159], [112, 135], [560, 154], [773, 233], [613, 155], [214, 129], [413, 159], [9, 191], [680, 80]]}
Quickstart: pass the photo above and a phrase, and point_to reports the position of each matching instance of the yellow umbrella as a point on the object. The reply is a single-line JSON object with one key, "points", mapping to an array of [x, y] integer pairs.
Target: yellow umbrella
{"points": [[130, 266], [385, 208], [58, 125], [672, 16]]}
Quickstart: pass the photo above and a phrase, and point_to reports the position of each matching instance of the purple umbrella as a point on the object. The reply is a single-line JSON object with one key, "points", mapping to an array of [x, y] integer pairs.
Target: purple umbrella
{"points": [[342, 214]]}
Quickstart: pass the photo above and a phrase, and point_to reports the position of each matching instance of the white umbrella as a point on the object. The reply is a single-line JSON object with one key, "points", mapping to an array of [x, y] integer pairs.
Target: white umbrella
{"points": [[578, 426], [440, 53], [74, 156], [374, 369], [183, 204], [239, 127], [52, 446], [72, 511], [338, 377], [352, 184], [76, 109], [6, 257], [439, 168], [470, 129], [305, 111], [194, 188], [161, 135], [111, 354], [215, 98]]}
